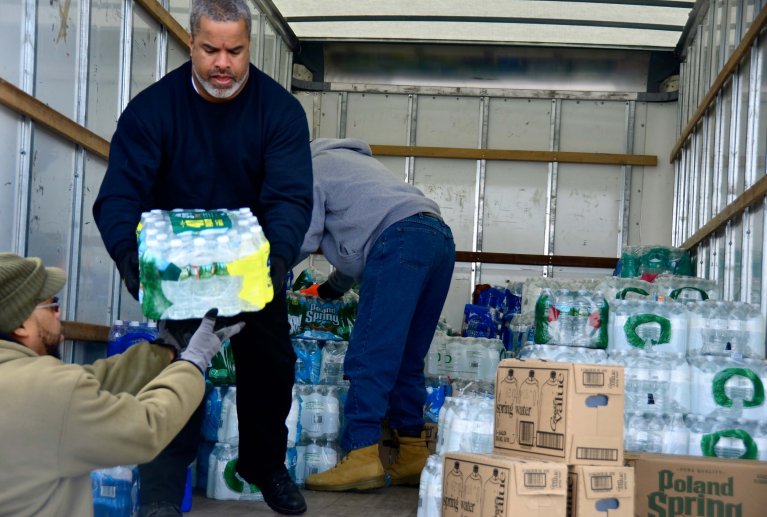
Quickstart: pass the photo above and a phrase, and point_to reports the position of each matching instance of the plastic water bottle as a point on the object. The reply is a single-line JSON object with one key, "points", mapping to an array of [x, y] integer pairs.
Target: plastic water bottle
{"points": [[332, 369], [308, 360], [430, 488], [320, 455], [680, 380], [116, 332], [331, 416], [312, 411], [115, 491], [211, 422], [483, 432], [229, 430], [676, 437], [291, 422]]}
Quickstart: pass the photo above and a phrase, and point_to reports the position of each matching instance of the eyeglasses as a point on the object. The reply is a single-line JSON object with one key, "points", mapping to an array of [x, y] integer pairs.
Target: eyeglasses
{"points": [[54, 305]]}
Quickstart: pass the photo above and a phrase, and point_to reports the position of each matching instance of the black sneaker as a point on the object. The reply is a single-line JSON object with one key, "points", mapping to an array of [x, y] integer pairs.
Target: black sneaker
{"points": [[281, 494], [159, 509]]}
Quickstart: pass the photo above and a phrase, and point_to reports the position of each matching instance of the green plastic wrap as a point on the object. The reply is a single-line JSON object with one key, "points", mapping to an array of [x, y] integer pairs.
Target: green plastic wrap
{"points": [[720, 380], [709, 441], [633, 322]]}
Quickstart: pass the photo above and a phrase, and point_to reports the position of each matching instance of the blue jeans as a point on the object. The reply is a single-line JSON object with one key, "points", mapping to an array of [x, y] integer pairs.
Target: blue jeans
{"points": [[404, 286]]}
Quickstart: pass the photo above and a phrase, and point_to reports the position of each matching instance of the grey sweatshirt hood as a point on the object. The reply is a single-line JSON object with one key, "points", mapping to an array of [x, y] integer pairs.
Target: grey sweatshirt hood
{"points": [[319, 145], [355, 199]]}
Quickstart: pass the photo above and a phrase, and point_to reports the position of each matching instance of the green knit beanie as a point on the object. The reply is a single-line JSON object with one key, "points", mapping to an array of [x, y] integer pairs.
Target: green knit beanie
{"points": [[24, 283]]}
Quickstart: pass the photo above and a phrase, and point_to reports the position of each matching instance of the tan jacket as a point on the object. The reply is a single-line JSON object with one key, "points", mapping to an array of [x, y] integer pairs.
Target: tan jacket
{"points": [[58, 422]]}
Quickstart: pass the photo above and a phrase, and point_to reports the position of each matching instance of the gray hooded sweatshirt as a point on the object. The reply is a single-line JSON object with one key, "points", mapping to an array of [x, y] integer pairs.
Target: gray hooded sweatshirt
{"points": [[355, 200]]}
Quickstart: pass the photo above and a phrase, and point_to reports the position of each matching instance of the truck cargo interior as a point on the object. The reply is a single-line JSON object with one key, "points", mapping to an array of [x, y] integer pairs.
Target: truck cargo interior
{"points": [[560, 139]]}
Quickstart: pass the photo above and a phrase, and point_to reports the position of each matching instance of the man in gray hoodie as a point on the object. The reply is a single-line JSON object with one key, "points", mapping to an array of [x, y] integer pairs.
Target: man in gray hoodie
{"points": [[384, 234]]}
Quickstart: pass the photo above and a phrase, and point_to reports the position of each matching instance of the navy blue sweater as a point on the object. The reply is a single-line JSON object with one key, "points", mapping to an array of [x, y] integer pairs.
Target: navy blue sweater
{"points": [[173, 149]]}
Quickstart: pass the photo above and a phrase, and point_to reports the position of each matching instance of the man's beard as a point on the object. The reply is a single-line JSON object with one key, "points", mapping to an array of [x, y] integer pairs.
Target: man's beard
{"points": [[220, 93], [51, 342]]}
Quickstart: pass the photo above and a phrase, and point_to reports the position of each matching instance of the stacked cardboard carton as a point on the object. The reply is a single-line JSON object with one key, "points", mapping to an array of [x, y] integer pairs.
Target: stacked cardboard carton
{"points": [[567, 418]]}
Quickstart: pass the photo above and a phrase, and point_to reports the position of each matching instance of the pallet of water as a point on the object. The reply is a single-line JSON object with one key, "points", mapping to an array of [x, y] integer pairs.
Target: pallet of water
{"points": [[193, 260]]}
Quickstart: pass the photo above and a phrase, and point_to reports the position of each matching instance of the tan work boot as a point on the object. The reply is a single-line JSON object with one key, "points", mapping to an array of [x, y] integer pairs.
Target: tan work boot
{"points": [[411, 459], [361, 469]]}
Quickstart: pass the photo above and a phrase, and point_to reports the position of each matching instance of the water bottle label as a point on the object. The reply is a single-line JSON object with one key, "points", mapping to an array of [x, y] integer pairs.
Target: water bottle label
{"points": [[191, 221]]}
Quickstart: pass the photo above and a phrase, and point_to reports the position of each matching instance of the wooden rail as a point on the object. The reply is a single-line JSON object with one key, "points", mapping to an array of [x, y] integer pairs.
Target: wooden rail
{"points": [[77, 331], [164, 18], [752, 195], [26, 105], [535, 260], [515, 155], [724, 75]]}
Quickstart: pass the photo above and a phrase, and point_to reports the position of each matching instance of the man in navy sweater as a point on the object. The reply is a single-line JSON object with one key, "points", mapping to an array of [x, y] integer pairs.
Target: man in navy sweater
{"points": [[219, 133]]}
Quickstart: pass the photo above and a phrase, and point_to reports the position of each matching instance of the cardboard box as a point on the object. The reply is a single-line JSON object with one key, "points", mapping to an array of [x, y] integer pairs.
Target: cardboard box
{"points": [[492, 485], [600, 491], [687, 486], [565, 412]]}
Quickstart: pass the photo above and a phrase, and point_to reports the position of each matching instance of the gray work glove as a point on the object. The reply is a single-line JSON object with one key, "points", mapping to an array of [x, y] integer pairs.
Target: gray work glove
{"points": [[205, 343]]}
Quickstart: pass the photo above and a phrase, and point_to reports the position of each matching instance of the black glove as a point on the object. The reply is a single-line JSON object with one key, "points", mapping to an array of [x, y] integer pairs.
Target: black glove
{"points": [[127, 265], [326, 291], [205, 343], [176, 334], [277, 271]]}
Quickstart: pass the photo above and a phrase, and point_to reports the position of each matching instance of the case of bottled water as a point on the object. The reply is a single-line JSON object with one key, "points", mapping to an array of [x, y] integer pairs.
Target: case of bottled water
{"points": [[616, 288], [640, 261], [466, 424], [729, 387], [124, 334], [533, 288], [661, 326], [115, 491], [726, 328], [572, 318], [685, 288], [193, 260], [471, 358], [320, 411]]}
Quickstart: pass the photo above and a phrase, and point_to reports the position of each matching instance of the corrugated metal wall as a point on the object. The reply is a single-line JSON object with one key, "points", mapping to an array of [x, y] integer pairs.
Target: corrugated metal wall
{"points": [[725, 153], [519, 207]]}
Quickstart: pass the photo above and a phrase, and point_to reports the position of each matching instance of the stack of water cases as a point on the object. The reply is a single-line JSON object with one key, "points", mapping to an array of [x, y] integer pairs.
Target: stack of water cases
{"points": [[491, 314], [466, 424], [695, 370], [115, 489], [218, 452], [193, 260], [316, 415]]}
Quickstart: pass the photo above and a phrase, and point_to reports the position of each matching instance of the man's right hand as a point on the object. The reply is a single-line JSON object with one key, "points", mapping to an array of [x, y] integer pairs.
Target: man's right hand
{"points": [[127, 264]]}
